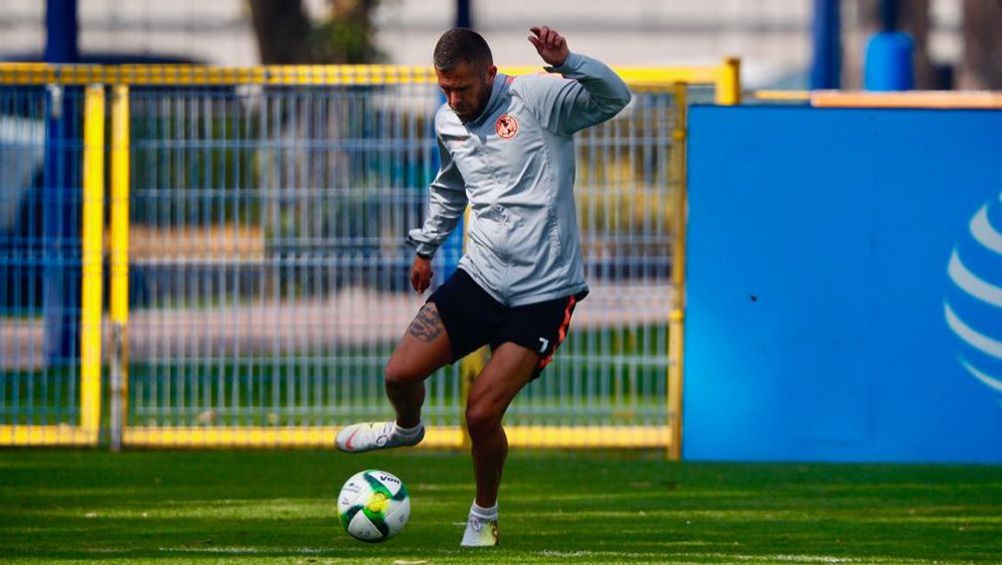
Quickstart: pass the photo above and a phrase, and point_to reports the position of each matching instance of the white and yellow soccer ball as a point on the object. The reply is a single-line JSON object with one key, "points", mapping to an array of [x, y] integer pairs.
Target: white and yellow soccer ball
{"points": [[373, 506]]}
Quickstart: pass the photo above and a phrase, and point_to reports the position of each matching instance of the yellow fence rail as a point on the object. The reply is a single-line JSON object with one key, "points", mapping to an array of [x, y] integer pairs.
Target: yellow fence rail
{"points": [[724, 77]]}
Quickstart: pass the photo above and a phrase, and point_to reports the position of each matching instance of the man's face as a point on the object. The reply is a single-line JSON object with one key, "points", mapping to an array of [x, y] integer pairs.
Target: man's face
{"points": [[467, 88]]}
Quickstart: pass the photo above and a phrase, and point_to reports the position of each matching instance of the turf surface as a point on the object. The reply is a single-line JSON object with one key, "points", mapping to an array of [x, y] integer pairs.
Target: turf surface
{"points": [[599, 507]]}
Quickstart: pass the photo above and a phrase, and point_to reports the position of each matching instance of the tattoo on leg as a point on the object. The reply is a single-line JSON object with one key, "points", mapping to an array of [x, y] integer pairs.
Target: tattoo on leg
{"points": [[426, 325]]}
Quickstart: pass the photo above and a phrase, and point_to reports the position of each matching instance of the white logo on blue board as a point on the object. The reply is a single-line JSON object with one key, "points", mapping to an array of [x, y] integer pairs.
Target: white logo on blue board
{"points": [[973, 309]]}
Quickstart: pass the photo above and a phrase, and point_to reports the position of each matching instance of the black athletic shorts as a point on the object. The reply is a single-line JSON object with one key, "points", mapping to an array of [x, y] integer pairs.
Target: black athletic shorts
{"points": [[473, 318]]}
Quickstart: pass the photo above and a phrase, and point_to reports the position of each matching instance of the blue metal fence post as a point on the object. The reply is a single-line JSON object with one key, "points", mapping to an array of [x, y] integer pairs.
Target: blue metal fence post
{"points": [[60, 186], [826, 45]]}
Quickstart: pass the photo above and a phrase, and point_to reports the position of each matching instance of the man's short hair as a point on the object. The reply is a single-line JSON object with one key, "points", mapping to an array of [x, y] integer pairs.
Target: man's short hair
{"points": [[462, 45]]}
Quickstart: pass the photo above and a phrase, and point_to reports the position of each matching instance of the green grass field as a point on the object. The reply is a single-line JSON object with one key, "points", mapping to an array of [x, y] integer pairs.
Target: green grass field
{"points": [[597, 507]]}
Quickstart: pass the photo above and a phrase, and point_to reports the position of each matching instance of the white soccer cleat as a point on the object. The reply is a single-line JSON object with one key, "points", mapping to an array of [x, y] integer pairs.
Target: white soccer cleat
{"points": [[367, 436], [480, 533]]}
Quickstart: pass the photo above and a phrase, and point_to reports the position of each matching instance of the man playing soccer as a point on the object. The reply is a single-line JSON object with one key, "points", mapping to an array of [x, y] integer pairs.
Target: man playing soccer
{"points": [[506, 150]]}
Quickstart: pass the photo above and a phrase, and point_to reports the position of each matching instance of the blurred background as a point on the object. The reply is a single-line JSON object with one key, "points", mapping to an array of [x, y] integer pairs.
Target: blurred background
{"points": [[956, 42]]}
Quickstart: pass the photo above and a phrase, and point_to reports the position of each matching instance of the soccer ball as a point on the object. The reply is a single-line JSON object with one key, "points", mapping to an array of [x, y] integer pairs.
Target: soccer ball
{"points": [[373, 506]]}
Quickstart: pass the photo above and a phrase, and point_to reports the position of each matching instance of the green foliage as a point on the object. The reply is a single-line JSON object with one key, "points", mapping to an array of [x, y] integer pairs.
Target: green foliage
{"points": [[344, 42], [347, 36]]}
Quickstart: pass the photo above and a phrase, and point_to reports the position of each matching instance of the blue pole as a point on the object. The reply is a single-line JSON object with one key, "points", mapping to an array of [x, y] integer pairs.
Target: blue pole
{"points": [[463, 17], [826, 45], [889, 11], [60, 190], [61, 31]]}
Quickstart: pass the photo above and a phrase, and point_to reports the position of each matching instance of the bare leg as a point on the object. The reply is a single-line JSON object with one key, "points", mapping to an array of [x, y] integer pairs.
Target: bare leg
{"points": [[422, 351], [510, 368]]}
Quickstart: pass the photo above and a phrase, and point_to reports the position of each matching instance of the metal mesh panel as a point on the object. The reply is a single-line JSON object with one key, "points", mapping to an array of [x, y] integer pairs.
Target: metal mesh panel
{"points": [[269, 277], [255, 265], [612, 368], [268, 273], [40, 254]]}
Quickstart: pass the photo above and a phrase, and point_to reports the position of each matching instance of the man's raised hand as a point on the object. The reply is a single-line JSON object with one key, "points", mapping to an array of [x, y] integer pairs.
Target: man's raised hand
{"points": [[550, 45]]}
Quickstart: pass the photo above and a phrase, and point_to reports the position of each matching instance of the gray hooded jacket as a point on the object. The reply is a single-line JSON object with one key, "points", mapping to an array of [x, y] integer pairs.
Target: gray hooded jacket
{"points": [[514, 165]]}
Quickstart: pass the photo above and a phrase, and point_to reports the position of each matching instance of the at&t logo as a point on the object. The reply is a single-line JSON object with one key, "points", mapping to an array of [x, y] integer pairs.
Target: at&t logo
{"points": [[973, 307]]}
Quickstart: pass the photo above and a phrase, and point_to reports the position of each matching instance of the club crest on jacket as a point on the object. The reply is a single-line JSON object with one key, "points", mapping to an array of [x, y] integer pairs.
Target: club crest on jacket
{"points": [[506, 126]]}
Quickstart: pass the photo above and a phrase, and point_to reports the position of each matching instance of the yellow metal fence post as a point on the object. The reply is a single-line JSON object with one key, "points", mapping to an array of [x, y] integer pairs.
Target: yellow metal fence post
{"points": [[92, 261], [676, 320], [118, 252], [471, 365], [729, 82]]}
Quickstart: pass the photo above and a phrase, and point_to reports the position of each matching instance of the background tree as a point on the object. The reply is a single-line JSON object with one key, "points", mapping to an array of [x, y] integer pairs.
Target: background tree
{"points": [[285, 34], [282, 29]]}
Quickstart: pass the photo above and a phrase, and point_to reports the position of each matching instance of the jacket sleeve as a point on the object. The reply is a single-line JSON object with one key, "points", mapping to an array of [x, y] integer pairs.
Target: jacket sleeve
{"points": [[593, 94], [446, 204]]}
